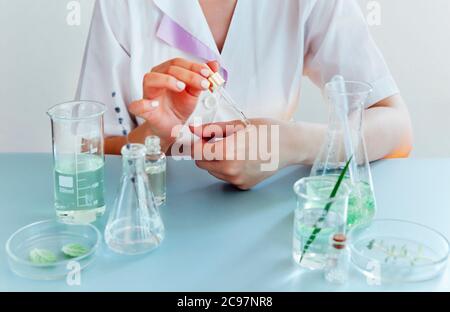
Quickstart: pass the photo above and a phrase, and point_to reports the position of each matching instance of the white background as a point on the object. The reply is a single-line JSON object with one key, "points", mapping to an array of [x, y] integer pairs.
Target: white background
{"points": [[41, 56]]}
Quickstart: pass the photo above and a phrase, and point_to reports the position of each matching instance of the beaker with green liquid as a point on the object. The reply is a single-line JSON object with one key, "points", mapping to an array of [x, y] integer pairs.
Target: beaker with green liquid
{"points": [[344, 141], [78, 154]]}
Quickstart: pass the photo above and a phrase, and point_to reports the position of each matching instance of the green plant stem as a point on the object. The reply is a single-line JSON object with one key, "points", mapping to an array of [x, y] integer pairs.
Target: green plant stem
{"points": [[316, 231]]}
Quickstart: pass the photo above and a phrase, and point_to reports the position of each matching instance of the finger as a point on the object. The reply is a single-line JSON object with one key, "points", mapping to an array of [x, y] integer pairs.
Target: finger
{"points": [[201, 69], [217, 130], [143, 107], [193, 92], [220, 176], [190, 78], [204, 151], [225, 149], [225, 170], [210, 166], [156, 83], [214, 66]]}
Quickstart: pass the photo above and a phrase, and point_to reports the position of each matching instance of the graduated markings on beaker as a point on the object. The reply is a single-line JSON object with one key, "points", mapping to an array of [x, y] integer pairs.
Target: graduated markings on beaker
{"points": [[85, 193], [79, 186]]}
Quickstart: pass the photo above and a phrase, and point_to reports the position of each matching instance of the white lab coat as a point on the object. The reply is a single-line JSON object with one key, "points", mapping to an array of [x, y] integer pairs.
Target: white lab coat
{"points": [[269, 46]]}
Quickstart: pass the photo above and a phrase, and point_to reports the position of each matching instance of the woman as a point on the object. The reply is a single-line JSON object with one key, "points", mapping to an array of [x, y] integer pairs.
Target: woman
{"points": [[152, 58]]}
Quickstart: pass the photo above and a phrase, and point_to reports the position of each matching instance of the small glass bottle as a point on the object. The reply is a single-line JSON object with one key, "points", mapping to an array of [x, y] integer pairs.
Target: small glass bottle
{"points": [[220, 95], [338, 263], [155, 167], [135, 225]]}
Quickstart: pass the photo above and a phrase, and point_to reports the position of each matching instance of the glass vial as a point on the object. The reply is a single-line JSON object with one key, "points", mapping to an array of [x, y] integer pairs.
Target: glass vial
{"points": [[220, 95], [134, 225], [155, 167], [338, 264]]}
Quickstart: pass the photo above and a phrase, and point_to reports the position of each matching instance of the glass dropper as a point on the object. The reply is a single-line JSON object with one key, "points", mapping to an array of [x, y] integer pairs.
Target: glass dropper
{"points": [[217, 85]]}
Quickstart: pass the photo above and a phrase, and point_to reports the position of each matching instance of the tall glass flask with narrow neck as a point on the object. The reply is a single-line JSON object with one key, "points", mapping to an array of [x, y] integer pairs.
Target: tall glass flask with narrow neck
{"points": [[344, 140], [135, 225]]}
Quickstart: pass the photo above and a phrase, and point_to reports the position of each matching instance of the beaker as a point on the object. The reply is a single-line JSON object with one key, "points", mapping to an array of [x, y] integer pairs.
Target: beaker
{"points": [[317, 218], [134, 225], [78, 155], [345, 140]]}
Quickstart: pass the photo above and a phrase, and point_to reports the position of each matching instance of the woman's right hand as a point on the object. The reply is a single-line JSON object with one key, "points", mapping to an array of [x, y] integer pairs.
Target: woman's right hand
{"points": [[171, 91]]}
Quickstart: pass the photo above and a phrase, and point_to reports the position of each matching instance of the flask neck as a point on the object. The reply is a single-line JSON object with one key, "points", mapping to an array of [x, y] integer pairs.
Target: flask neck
{"points": [[133, 166], [133, 159]]}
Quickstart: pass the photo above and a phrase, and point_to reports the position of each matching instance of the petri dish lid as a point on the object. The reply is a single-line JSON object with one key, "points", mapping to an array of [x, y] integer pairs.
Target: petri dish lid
{"points": [[395, 251], [50, 237]]}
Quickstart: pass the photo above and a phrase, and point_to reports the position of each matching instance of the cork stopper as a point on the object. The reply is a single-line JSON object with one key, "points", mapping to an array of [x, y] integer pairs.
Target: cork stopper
{"points": [[339, 241]]}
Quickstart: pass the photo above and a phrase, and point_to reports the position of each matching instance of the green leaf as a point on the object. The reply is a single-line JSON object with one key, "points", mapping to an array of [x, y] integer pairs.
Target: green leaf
{"points": [[42, 256], [326, 210], [74, 250]]}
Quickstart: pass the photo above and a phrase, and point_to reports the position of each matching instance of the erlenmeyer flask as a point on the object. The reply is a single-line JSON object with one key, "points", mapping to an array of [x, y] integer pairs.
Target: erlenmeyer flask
{"points": [[134, 225], [345, 139]]}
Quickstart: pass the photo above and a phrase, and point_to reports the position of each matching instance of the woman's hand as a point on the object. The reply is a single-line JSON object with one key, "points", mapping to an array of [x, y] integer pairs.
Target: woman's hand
{"points": [[171, 91], [246, 156]]}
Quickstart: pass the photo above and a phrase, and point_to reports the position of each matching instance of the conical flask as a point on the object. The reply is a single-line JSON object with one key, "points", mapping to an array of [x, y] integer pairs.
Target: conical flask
{"points": [[345, 140], [134, 225]]}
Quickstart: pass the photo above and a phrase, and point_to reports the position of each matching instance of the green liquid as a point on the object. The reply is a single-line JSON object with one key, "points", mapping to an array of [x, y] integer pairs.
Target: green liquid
{"points": [[361, 205], [304, 222], [79, 189]]}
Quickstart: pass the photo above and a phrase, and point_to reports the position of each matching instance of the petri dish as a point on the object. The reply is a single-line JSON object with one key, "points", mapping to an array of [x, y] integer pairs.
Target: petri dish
{"points": [[51, 235], [396, 251]]}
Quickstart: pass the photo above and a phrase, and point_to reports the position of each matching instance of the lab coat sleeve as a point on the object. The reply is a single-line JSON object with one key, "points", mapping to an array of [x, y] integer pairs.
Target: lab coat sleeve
{"points": [[338, 41], [106, 66]]}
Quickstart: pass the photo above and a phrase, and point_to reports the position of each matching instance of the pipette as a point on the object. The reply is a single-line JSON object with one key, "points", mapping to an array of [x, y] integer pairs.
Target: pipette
{"points": [[217, 86]]}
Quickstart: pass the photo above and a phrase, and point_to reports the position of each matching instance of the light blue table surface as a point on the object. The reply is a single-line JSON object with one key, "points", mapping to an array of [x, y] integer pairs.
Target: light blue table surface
{"points": [[218, 238]]}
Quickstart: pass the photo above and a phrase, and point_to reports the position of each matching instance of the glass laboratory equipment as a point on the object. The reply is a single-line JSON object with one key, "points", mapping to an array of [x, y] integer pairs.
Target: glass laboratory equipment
{"points": [[134, 225], [317, 218], [218, 105], [338, 264], [77, 131], [155, 167], [50, 237], [396, 251], [345, 140]]}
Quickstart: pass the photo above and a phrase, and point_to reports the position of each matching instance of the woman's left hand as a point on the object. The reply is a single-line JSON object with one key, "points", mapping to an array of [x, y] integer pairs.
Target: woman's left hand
{"points": [[245, 156]]}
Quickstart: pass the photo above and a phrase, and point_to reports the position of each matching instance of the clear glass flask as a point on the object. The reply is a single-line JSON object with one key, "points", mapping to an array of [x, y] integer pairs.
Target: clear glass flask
{"points": [[77, 135], [134, 225], [155, 167], [345, 140], [317, 218]]}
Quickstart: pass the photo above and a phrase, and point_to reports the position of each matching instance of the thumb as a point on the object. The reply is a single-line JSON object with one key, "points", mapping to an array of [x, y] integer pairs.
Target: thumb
{"points": [[143, 108], [217, 130]]}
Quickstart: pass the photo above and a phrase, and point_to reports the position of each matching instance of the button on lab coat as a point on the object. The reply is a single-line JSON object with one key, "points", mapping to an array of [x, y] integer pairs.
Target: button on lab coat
{"points": [[270, 45]]}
